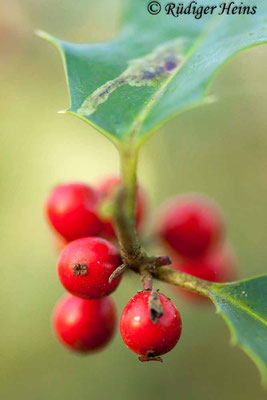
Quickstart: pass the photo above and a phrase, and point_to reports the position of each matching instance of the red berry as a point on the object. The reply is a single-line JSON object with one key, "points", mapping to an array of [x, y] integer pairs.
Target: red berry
{"points": [[84, 325], [85, 265], [191, 225], [143, 336], [106, 191], [218, 265], [71, 210]]}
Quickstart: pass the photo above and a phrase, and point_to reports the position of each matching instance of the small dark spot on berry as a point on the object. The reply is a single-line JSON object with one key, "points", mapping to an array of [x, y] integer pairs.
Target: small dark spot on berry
{"points": [[150, 353], [80, 269]]}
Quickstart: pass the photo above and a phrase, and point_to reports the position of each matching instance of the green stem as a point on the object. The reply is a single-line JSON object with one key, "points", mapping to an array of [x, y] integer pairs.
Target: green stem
{"points": [[182, 280], [133, 255], [128, 161], [125, 225]]}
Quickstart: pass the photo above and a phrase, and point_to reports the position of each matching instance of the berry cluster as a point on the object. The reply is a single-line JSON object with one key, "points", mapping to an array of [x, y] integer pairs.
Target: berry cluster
{"points": [[85, 319], [193, 229], [76, 210]]}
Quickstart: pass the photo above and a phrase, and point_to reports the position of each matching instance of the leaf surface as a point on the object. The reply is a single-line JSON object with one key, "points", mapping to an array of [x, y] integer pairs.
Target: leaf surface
{"points": [[158, 66], [243, 305]]}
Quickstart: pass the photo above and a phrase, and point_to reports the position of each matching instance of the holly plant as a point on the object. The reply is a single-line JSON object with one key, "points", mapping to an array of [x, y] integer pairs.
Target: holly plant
{"points": [[126, 88]]}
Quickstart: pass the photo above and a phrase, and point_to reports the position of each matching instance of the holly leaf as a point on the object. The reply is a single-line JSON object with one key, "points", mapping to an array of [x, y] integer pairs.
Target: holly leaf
{"points": [[243, 305], [157, 67]]}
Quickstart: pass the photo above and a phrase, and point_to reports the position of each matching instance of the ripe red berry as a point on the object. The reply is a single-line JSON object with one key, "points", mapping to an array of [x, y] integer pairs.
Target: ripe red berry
{"points": [[218, 265], [71, 210], [106, 191], [85, 265], [84, 325], [142, 335], [191, 225]]}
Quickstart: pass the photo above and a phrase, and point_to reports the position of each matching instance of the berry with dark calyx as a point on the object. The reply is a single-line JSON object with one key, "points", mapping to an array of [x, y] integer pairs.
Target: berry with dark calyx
{"points": [[191, 225], [219, 265], [144, 336], [84, 325], [71, 210], [107, 191], [85, 265]]}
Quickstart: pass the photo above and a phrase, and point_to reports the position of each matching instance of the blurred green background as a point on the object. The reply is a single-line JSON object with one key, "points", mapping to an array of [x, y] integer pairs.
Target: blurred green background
{"points": [[219, 149]]}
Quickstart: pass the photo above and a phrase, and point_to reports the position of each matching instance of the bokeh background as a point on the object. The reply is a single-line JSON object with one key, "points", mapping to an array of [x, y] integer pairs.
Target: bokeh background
{"points": [[218, 149]]}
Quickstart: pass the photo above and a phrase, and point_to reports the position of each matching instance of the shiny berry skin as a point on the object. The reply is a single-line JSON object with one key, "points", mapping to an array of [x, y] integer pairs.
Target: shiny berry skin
{"points": [[106, 190], [191, 225], [218, 266], [84, 325], [85, 265], [143, 336], [71, 210]]}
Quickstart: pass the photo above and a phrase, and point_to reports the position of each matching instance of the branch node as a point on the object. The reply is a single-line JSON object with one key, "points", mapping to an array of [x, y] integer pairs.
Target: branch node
{"points": [[162, 261]]}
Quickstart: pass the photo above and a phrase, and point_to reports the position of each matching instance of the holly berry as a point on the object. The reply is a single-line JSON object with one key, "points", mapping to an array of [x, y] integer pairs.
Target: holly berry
{"points": [[145, 337], [191, 226], [218, 265], [85, 265], [106, 191], [71, 210], [84, 325]]}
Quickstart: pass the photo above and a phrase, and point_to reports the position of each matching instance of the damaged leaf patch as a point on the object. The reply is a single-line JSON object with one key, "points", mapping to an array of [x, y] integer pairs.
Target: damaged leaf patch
{"points": [[150, 70]]}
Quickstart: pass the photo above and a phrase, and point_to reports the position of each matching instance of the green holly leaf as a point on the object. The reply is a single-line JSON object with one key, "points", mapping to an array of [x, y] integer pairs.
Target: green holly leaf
{"points": [[157, 67], [243, 305]]}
